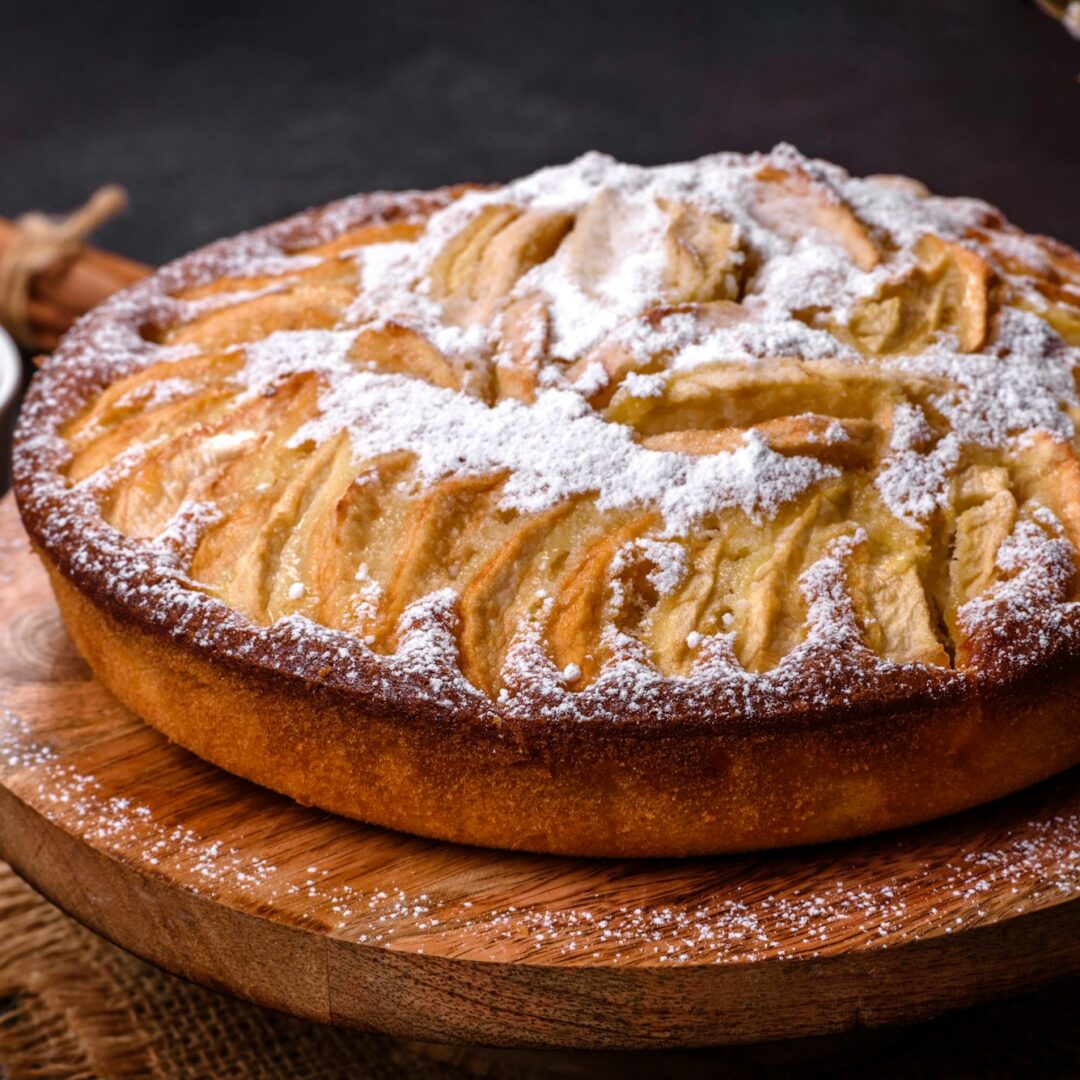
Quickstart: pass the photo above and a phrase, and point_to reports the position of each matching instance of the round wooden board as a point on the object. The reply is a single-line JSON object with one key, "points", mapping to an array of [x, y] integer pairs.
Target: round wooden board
{"points": [[242, 890]]}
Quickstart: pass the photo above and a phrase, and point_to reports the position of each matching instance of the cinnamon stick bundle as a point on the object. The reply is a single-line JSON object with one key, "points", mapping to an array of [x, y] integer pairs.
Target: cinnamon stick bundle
{"points": [[43, 303]]}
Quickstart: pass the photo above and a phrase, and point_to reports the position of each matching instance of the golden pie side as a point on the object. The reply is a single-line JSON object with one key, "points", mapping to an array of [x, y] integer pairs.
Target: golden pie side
{"points": [[614, 511]]}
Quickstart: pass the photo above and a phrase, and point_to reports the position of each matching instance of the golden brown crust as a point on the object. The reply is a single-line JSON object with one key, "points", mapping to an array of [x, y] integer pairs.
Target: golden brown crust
{"points": [[589, 790], [850, 746]]}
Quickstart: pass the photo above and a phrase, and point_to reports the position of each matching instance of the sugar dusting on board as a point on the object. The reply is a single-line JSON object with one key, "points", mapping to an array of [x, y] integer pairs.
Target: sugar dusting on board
{"points": [[787, 277], [852, 899]]}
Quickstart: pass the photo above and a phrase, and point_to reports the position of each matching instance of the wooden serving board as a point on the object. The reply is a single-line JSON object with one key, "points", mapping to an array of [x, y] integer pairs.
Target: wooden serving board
{"points": [[242, 890]]}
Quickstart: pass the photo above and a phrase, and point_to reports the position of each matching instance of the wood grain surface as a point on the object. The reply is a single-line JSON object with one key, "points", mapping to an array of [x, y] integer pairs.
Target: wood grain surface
{"points": [[244, 891]]}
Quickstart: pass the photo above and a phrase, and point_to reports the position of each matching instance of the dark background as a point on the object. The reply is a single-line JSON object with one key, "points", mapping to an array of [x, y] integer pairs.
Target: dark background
{"points": [[221, 116]]}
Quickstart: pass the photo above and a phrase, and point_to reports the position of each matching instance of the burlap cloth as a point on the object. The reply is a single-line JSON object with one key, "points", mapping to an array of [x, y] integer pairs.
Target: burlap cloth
{"points": [[73, 1006]]}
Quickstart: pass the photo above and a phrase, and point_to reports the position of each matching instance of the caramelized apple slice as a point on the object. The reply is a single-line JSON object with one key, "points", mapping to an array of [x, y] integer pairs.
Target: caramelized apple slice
{"points": [[397, 349], [891, 602], [436, 542], [455, 269], [772, 623], [850, 443], [526, 562], [788, 199], [168, 421], [690, 609], [487, 600], [948, 291], [902, 183], [387, 232], [736, 395], [703, 257], [594, 248], [281, 560], [331, 268], [618, 357], [523, 346], [964, 296], [146, 390], [980, 531], [1046, 470], [582, 606], [513, 251], [305, 307], [352, 545], [144, 499]]}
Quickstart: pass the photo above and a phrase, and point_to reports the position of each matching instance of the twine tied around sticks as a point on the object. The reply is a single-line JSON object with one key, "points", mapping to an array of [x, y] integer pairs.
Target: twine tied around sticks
{"points": [[42, 243]]}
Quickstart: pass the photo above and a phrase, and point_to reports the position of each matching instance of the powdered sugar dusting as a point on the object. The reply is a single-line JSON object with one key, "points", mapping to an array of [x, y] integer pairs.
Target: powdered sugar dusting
{"points": [[554, 448], [790, 285], [990, 399], [875, 894]]}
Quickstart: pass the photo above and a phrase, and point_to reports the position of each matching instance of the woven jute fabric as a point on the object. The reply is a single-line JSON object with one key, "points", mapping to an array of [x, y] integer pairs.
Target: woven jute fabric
{"points": [[73, 1007]]}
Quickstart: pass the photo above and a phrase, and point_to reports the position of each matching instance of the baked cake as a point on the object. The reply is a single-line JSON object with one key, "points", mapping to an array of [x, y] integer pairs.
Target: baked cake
{"points": [[612, 511]]}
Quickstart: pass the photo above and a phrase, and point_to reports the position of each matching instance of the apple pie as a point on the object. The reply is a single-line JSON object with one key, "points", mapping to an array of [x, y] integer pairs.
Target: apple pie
{"points": [[611, 511]]}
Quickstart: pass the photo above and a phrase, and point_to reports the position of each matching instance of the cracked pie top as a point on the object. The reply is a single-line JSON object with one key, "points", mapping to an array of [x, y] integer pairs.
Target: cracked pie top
{"points": [[614, 510]]}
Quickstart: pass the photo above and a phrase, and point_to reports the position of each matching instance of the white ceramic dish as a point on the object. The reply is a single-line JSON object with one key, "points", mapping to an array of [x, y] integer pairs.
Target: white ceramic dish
{"points": [[10, 382]]}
